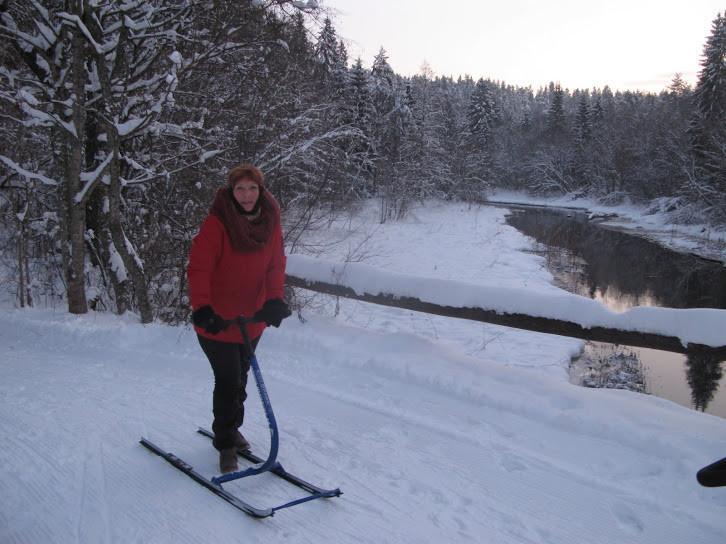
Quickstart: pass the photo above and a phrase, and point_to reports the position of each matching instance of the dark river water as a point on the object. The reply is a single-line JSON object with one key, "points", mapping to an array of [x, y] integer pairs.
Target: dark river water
{"points": [[621, 270]]}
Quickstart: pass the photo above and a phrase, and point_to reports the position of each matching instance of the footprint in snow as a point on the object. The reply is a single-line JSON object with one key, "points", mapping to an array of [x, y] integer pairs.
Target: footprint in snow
{"points": [[512, 464], [627, 519]]}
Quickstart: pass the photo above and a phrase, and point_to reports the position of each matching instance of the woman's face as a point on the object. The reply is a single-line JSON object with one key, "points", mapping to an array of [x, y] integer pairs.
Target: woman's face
{"points": [[246, 192]]}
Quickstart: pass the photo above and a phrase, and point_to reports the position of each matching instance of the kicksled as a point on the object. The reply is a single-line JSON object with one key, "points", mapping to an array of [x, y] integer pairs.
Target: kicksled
{"points": [[260, 466]]}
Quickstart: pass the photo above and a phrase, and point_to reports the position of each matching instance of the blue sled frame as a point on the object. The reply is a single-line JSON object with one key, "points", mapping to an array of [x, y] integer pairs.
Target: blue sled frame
{"points": [[267, 465]]}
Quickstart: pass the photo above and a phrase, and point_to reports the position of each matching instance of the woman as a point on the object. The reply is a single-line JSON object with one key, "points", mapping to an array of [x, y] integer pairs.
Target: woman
{"points": [[236, 267]]}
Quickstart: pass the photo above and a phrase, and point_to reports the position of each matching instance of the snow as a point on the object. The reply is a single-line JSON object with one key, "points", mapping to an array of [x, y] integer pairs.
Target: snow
{"points": [[40, 118], [89, 179], [700, 326], [209, 154], [176, 58], [436, 429], [26, 173], [117, 263], [75, 19], [26, 95], [130, 125]]}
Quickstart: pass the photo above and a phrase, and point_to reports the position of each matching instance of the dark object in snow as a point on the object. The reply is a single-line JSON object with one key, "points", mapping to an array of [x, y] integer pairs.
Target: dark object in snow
{"points": [[714, 475], [264, 465]]}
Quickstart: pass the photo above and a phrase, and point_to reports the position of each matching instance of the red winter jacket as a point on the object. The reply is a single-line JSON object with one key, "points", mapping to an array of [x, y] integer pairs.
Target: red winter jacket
{"points": [[234, 283]]}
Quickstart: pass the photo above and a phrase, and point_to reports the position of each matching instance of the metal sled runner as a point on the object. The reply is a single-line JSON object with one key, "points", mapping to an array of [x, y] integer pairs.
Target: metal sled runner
{"points": [[262, 465]]}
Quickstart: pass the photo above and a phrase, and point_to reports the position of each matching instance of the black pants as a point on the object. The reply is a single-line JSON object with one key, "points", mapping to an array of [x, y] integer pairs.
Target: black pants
{"points": [[230, 366]]}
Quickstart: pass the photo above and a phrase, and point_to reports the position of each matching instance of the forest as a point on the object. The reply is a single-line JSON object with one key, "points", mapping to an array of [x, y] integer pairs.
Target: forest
{"points": [[120, 118]]}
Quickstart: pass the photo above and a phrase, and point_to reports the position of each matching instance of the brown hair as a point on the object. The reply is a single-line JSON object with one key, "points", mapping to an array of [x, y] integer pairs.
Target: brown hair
{"points": [[245, 171]]}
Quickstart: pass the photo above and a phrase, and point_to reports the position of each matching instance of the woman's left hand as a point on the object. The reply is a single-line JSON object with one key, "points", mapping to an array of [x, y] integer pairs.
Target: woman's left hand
{"points": [[273, 312]]}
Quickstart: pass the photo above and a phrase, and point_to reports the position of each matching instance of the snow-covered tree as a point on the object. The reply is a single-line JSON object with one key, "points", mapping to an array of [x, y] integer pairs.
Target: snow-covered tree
{"points": [[480, 123], [329, 62], [481, 114], [708, 128], [556, 117], [101, 78], [390, 123], [381, 71], [583, 120], [358, 113], [679, 86]]}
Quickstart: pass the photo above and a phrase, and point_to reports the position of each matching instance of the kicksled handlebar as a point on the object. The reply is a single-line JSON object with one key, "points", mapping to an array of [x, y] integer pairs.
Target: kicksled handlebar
{"points": [[241, 321]]}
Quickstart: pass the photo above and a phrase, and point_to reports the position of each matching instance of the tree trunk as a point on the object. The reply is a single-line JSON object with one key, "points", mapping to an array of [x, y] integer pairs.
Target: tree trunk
{"points": [[74, 250], [130, 258], [133, 273], [75, 221], [97, 219], [22, 261]]}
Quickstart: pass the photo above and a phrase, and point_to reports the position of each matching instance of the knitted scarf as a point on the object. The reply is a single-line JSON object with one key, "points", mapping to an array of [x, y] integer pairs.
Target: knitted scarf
{"points": [[246, 234]]}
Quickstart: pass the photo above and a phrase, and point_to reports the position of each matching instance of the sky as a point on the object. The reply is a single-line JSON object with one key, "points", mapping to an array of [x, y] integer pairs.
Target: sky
{"points": [[626, 44]]}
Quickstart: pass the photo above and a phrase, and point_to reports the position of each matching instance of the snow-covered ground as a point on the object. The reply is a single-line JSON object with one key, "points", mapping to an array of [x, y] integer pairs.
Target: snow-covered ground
{"points": [[653, 222], [436, 429]]}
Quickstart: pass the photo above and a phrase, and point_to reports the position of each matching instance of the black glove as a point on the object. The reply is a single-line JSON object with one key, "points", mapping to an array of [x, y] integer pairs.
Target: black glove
{"points": [[273, 312], [205, 318]]}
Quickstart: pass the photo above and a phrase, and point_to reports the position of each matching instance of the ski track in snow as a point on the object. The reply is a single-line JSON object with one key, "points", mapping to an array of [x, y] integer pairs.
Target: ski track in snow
{"points": [[434, 432]]}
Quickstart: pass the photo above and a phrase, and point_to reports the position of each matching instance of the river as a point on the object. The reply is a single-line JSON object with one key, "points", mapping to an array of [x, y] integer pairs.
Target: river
{"points": [[622, 270]]}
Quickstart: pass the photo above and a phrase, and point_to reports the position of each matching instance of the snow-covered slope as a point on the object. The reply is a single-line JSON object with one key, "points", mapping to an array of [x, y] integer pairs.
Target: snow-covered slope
{"points": [[428, 444], [437, 430]]}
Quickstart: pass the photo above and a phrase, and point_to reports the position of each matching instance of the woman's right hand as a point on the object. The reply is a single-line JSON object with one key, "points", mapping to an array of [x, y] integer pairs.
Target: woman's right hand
{"points": [[206, 318]]}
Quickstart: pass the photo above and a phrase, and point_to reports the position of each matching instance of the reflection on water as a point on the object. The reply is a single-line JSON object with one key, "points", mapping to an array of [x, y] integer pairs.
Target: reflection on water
{"points": [[703, 374], [622, 271]]}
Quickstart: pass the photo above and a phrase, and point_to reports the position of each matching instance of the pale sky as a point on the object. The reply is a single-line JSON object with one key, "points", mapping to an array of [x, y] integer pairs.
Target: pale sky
{"points": [[627, 44]]}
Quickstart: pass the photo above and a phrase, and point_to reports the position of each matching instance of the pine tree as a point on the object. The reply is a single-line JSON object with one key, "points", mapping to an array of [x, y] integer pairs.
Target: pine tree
{"points": [[298, 44], [358, 114], [583, 120], [480, 121], [708, 128], [381, 71], [678, 86], [597, 114], [556, 120], [328, 53], [711, 87], [710, 97], [342, 54], [481, 114], [383, 99]]}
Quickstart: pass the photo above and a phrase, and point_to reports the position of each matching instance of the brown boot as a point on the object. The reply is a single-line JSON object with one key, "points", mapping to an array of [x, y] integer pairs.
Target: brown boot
{"points": [[240, 442], [228, 460]]}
